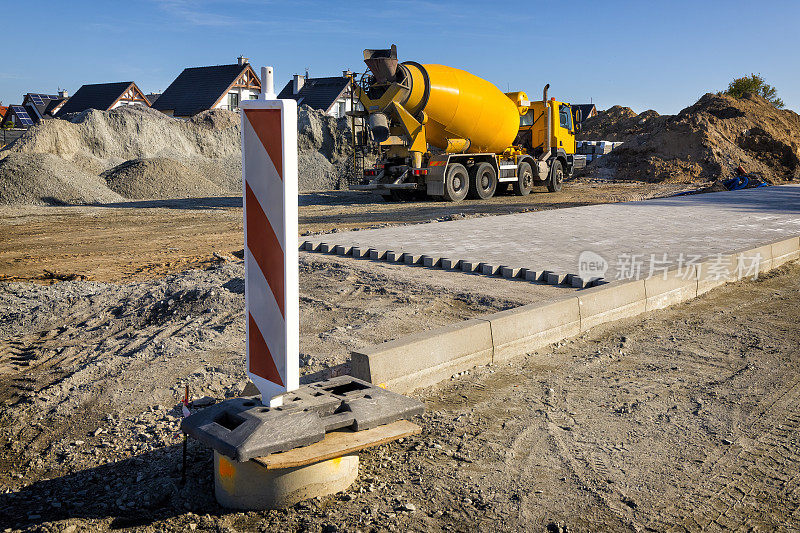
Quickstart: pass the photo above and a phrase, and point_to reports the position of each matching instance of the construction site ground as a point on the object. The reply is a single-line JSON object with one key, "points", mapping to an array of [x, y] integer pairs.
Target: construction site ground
{"points": [[141, 239], [685, 418]]}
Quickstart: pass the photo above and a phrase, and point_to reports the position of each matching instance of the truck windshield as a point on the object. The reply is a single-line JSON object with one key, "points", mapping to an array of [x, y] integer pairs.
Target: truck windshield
{"points": [[526, 119], [565, 117]]}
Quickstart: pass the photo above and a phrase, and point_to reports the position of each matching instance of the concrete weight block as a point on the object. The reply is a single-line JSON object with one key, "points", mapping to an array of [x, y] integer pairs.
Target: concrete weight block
{"points": [[425, 358], [611, 302], [250, 486], [530, 327]]}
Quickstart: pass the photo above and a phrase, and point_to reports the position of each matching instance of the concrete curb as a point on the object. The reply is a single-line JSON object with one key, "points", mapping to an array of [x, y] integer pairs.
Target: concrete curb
{"points": [[426, 358]]}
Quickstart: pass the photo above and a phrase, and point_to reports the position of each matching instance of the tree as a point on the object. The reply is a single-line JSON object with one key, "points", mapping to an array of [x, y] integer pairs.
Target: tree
{"points": [[754, 84]]}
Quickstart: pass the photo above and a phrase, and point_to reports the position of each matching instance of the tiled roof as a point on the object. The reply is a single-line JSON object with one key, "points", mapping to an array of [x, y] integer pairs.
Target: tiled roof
{"points": [[317, 93], [197, 89], [95, 96]]}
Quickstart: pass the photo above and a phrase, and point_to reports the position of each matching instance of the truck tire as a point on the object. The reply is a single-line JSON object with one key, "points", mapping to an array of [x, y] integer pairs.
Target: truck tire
{"points": [[556, 177], [456, 183], [482, 181], [524, 183]]}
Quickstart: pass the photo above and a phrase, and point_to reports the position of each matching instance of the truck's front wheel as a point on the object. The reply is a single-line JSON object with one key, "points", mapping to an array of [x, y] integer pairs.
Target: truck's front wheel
{"points": [[556, 177], [482, 181], [456, 183]]}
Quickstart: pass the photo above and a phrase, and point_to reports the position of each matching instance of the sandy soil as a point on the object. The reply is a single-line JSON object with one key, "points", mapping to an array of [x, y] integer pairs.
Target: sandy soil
{"points": [[685, 419], [139, 240]]}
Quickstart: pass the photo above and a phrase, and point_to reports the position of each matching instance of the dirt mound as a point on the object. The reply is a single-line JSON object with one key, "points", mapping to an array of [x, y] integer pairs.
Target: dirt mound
{"points": [[143, 153], [704, 142], [616, 124], [158, 178], [46, 179]]}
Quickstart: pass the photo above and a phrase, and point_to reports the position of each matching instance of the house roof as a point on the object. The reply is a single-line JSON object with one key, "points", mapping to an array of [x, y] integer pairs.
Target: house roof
{"points": [[199, 88], [585, 109], [95, 96], [3, 110], [317, 93]]}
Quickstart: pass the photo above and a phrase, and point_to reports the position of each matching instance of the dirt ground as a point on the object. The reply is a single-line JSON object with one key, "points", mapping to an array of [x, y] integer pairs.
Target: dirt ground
{"points": [[139, 240], [684, 419]]}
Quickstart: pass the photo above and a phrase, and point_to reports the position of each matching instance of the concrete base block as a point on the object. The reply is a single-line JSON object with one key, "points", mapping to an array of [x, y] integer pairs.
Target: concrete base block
{"points": [[554, 278], [450, 264], [250, 486], [376, 254], [510, 272], [432, 262], [411, 259], [532, 275], [469, 266], [489, 270]]}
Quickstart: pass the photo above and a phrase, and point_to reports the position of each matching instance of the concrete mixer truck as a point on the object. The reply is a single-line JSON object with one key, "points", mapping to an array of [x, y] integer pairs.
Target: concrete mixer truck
{"points": [[445, 133]]}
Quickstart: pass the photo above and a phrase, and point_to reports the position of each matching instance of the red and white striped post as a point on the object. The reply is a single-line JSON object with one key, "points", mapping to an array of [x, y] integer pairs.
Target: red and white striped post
{"points": [[269, 176]]}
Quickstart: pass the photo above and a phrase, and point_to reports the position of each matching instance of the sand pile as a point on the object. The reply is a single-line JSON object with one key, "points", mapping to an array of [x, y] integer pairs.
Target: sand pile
{"points": [[704, 142], [139, 153]]}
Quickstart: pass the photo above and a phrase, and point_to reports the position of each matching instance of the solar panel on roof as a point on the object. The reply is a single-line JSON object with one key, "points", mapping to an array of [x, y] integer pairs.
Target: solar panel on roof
{"points": [[22, 115]]}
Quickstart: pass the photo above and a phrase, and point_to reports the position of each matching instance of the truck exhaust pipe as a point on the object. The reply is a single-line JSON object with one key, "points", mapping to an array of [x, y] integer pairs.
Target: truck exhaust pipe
{"points": [[546, 153]]}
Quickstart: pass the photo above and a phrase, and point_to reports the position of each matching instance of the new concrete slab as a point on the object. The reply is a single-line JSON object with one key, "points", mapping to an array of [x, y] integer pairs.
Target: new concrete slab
{"points": [[633, 237]]}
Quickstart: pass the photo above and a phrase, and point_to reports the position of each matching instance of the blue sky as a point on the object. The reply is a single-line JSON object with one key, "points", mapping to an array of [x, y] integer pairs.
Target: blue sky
{"points": [[646, 55]]}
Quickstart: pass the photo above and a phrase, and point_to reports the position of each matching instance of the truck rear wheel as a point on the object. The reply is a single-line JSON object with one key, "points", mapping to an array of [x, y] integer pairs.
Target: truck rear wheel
{"points": [[482, 181], [556, 177], [456, 183], [524, 183]]}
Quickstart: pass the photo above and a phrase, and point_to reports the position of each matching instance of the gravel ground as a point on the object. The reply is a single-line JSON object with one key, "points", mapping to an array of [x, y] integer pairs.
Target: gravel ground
{"points": [[685, 418]]}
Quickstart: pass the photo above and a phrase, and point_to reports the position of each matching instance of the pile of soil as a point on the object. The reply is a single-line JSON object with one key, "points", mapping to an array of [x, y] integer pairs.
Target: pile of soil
{"points": [[704, 142], [139, 153]]}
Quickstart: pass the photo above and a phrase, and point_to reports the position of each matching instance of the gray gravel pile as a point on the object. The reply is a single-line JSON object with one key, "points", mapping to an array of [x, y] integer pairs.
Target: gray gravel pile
{"points": [[140, 153], [48, 179]]}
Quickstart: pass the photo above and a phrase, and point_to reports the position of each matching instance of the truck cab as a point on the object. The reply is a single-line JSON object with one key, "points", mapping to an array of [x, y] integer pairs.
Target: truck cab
{"points": [[533, 128]]}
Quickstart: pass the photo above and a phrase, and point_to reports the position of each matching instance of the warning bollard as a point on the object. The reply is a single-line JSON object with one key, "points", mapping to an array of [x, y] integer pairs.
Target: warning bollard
{"points": [[269, 454], [269, 175]]}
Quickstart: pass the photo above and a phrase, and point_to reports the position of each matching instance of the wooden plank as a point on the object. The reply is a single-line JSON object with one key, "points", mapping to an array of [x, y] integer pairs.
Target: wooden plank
{"points": [[339, 443]]}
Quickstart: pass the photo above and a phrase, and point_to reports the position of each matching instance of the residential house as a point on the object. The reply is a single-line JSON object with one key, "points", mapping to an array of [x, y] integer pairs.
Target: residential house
{"points": [[587, 111], [198, 89], [35, 107], [330, 95], [104, 97]]}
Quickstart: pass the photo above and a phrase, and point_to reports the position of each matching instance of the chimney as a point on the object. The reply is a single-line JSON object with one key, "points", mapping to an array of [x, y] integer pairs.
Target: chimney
{"points": [[62, 93], [242, 60], [297, 83]]}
